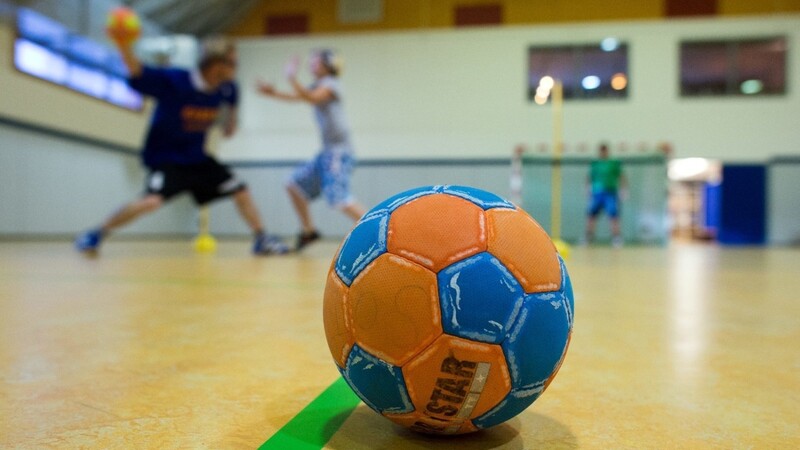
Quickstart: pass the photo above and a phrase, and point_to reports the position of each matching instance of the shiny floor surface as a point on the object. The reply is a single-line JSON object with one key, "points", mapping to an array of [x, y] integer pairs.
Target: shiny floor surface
{"points": [[154, 346]]}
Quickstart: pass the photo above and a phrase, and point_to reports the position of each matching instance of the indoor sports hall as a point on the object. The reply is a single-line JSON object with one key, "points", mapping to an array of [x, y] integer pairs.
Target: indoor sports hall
{"points": [[655, 142]]}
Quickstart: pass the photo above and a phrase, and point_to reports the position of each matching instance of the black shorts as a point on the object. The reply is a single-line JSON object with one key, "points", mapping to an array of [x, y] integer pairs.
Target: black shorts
{"points": [[206, 181]]}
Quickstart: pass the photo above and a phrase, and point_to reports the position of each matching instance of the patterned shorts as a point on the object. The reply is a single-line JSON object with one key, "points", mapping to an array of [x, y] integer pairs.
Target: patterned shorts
{"points": [[329, 174]]}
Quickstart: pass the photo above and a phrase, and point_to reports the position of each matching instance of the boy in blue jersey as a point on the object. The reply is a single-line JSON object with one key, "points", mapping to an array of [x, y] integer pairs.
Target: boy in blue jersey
{"points": [[329, 171], [174, 150]]}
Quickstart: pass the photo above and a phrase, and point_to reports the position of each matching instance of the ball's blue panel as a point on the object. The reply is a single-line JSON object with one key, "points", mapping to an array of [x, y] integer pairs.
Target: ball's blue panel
{"points": [[480, 298], [534, 349], [397, 200], [379, 384], [566, 284], [365, 242], [538, 340], [484, 199], [514, 403]]}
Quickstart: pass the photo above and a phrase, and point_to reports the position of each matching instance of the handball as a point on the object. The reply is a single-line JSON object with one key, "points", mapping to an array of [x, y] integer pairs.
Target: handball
{"points": [[448, 309], [123, 25]]}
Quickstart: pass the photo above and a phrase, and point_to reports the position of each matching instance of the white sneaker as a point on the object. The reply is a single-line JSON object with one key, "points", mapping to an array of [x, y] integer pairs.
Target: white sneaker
{"points": [[616, 242]]}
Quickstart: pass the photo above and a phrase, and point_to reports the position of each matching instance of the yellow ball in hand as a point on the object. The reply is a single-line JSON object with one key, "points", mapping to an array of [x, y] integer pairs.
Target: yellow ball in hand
{"points": [[123, 25]]}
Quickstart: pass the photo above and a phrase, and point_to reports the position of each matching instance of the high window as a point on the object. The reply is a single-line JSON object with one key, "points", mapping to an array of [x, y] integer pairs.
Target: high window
{"points": [[733, 67], [586, 72], [46, 49]]}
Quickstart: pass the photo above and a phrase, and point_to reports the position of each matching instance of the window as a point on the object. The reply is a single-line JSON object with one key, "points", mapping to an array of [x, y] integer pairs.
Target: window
{"points": [[587, 72], [733, 67], [46, 49], [40, 61]]}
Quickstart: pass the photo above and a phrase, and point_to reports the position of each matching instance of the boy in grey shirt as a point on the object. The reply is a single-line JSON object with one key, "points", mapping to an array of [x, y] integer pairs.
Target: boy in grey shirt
{"points": [[329, 172]]}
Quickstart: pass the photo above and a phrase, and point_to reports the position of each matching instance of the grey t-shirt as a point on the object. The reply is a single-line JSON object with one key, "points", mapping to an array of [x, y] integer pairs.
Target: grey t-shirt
{"points": [[330, 115]]}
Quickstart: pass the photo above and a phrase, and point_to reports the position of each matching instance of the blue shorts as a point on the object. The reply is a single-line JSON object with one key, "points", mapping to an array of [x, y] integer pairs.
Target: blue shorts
{"points": [[328, 173], [604, 201]]}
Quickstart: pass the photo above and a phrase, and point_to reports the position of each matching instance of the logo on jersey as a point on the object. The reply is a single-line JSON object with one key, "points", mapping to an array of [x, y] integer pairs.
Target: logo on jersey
{"points": [[198, 118]]}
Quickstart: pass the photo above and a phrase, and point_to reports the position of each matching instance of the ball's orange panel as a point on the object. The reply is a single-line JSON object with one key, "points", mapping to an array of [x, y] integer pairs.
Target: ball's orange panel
{"points": [[395, 308], [437, 230], [337, 320], [456, 379], [525, 249], [419, 422]]}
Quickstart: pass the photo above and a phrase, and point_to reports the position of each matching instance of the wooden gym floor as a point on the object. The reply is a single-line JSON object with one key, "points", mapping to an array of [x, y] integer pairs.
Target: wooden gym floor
{"points": [[152, 346]]}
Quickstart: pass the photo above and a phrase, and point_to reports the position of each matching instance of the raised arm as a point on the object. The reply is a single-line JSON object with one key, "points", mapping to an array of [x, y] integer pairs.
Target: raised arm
{"points": [[320, 94], [269, 90], [301, 94], [124, 42]]}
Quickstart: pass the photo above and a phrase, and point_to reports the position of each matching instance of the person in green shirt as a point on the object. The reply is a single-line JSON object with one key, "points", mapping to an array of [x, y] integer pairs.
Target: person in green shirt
{"points": [[605, 182]]}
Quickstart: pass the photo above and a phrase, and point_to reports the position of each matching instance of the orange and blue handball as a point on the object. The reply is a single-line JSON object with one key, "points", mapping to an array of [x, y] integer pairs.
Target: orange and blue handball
{"points": [[448, 309]]}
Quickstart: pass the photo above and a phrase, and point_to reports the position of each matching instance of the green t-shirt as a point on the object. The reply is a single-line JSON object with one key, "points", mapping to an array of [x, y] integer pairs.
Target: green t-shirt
{"points": [[605, 175]]}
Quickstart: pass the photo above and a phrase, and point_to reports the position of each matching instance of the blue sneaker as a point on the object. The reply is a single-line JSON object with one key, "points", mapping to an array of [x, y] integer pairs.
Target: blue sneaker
{"points": [[269, 245], [89, 242]]}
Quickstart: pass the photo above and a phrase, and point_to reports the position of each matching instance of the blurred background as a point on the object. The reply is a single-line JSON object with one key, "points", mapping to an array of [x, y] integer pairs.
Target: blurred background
{"points": [[695, 97]]}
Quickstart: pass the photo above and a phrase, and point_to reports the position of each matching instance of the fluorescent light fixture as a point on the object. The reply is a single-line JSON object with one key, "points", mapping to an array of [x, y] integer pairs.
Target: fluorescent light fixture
{"points": [[40, 61], [609, 44], [541, 91], [590, 82], [619, 81], [750, 87], [687, 168]]}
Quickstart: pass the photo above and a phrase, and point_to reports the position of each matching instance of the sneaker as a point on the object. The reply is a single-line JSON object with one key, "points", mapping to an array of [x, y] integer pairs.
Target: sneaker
{"points": [[616, 242], [303, 239], [269, 245], [89, 242]]}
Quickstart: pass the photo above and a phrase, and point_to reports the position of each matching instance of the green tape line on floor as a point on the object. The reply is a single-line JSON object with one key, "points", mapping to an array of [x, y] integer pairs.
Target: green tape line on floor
{"points": [[314, 426]]}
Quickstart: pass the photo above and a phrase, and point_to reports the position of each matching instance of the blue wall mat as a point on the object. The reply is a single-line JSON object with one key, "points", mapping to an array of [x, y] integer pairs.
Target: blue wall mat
{"points": [[711, 204], [743, 204]]}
